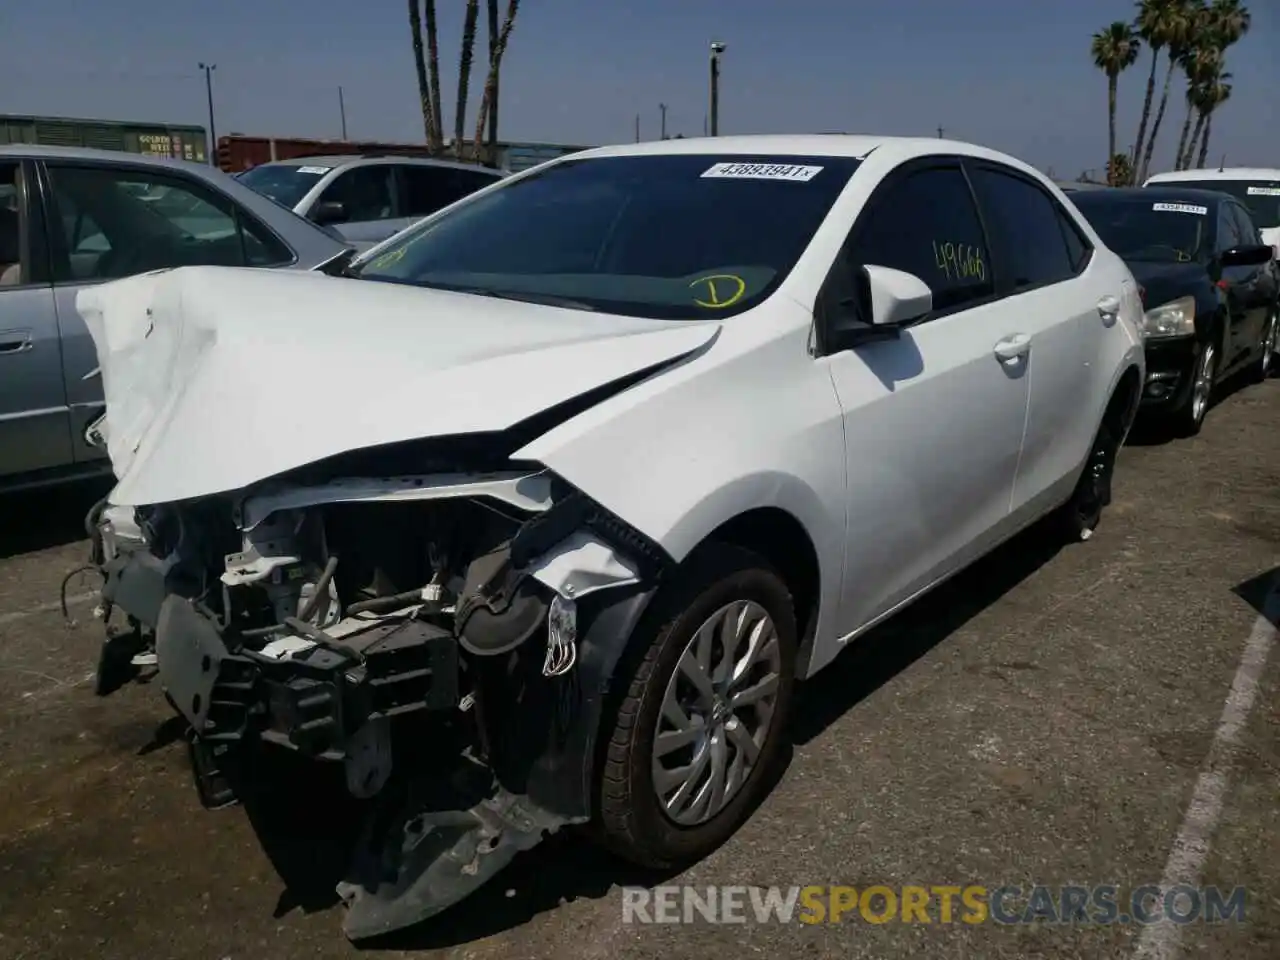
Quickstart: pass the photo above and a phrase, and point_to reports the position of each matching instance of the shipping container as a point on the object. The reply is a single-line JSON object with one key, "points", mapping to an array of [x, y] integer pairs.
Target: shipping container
{"points": [[239, 152], [183, 141]]}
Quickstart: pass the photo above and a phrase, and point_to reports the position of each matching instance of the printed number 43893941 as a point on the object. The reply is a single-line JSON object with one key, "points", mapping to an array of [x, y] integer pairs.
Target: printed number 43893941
{"points": [[959, 261]]}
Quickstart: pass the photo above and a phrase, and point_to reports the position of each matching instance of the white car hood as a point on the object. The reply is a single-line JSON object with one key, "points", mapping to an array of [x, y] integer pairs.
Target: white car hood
{"points": [[216, 378]]}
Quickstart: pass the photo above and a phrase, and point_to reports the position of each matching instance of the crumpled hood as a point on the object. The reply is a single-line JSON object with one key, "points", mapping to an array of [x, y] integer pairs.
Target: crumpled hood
{"points": [[217, 377]]}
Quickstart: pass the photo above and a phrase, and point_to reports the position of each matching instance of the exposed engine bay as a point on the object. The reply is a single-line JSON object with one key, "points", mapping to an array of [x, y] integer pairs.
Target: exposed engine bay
{"points": [[384, 624]]}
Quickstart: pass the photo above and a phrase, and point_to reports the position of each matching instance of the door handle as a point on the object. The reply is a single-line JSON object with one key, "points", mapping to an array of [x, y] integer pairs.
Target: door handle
{"points": [[1109, 306], [1013, 348], [15, 341]]}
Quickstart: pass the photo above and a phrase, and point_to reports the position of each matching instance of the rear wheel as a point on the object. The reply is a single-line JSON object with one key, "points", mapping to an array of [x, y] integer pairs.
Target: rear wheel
{"points": [[1079, 516], [699, 730]]}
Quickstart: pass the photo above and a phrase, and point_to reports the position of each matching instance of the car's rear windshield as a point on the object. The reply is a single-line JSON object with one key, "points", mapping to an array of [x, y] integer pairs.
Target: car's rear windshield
{"points": [[1154, 230], [285, 183], [691, 236], [1262, 197]]}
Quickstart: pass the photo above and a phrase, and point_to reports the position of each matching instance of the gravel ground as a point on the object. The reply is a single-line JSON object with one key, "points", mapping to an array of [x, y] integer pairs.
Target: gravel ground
{"points": [[1081, 717]]}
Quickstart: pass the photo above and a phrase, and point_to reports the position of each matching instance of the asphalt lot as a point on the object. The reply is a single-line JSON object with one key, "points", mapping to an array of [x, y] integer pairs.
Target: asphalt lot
{"points": [[1099, 715]]}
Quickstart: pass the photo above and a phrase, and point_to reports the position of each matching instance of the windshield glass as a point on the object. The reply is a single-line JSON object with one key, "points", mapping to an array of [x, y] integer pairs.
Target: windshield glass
{"points": [[1153, 231], [285, 183], [668, 236], [1262, 197]]}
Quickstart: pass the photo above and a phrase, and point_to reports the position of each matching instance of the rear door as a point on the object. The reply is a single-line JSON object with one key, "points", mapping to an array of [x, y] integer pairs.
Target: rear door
{"points": [[424, 189], [109, 221], [1040, 257], [1238, 287], [34, 424]]}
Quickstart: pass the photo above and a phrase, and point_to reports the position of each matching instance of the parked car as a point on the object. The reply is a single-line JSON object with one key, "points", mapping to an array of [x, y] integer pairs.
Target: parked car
{"points": [[1209, 286], [72, 217], [583, 510], [1257, 188], [367, 199]]}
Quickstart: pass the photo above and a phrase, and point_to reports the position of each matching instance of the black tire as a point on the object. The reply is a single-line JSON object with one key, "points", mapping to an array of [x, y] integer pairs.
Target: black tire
{"points": [[1079, 516], [1188, 418], [631, 820], [1265, 364]]}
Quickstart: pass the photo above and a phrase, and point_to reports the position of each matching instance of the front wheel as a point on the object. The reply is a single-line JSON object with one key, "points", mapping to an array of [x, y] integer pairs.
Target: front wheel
{"points": [[701, 725], [1189, 417], [1268, 347]]}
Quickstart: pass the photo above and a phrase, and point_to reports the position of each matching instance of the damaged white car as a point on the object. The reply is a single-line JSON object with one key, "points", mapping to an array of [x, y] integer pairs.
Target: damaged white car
{"points": [[537, 517]]}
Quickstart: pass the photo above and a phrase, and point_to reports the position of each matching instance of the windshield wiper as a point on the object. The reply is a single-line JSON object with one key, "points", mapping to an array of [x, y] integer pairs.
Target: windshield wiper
{"points": [[545, 299]]}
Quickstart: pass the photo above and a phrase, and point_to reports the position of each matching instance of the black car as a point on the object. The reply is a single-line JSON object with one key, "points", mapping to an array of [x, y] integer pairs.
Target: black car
{"points": [[1208, 283]]}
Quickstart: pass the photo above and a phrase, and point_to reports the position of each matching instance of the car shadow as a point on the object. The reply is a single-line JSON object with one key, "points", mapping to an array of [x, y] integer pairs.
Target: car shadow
{"points": [[1149, 431], [50, 517], [1263, 594], [309, 844]]}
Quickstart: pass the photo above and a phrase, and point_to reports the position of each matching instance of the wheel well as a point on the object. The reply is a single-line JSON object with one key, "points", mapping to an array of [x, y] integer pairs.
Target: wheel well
{"points": [[780, 538], [1123, 404]]}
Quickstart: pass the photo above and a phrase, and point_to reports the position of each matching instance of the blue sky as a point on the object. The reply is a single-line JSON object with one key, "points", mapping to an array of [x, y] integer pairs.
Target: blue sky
{"points": [[1007, 73]]}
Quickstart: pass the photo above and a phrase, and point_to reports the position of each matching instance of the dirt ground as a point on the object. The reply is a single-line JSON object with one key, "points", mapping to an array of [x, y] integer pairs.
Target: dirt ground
{"points": [[1047, 717]]}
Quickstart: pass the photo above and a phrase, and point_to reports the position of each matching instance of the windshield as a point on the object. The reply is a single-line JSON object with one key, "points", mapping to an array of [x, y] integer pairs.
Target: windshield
{"points": [[668, 236], [285, 183], [1152, 231], [1262, 197]]}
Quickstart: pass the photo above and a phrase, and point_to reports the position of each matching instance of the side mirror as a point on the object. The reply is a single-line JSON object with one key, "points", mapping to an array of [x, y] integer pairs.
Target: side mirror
{"points": [[329, 211], [894, 297], [1249, 255]]}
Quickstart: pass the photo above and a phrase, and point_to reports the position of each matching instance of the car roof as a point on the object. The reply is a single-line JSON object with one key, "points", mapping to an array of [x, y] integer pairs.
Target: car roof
{"points": [[1210, 198], [41, 151], [1225, 173], [355, 160], [856, 146]]}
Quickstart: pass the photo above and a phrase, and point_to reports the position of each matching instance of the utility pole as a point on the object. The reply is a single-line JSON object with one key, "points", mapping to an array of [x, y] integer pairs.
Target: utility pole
{"points": [[208, 69], [637, 128], [704, 124], [662, 108], [342, 110], [941, 131], [717, 48]]}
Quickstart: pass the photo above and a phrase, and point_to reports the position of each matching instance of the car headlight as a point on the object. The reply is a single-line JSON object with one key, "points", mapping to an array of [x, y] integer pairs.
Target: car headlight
{"points": [[1174, 319]]}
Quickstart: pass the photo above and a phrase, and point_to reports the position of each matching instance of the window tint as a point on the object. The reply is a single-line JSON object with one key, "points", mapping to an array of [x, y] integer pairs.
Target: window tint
{"points": [[1022, 221], [926, 224], [12, 269], [1228, 230], [121, 221], [365, 192], [1078, 248], [428, 189]]}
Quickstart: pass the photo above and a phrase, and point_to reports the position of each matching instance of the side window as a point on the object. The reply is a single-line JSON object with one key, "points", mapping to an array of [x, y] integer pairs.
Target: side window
{"points": [[1078, 248], [926, 224], [428, 189], [1228, 230], [1247, 229], [13, 270], [364, 192], [118, 221], [1022, 221]]}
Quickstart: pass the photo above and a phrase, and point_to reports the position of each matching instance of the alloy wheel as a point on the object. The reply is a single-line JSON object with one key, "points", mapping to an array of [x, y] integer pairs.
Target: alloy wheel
{"points": [[717, 712], [1202, 389]]}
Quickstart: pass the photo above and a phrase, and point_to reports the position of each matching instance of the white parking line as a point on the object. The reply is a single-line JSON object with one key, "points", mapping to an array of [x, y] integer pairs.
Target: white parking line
{"points": [[1161, 940], [53, 606]]}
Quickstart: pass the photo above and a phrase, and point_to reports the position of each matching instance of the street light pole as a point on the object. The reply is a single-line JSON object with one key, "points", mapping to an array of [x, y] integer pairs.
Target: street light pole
{"points": [[662, 108], [342, 110], [717, 48], [208, 69]]}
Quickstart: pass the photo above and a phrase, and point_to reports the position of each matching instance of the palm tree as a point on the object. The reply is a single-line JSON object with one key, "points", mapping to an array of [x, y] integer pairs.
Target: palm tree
{"points": [[1114, 49], [436, 144], [464, 71], [1155, 24], [489, 101], [1168, 24], [420, 66], [1216, 94], [1216, 28], [1120, 170], [495, 27]]}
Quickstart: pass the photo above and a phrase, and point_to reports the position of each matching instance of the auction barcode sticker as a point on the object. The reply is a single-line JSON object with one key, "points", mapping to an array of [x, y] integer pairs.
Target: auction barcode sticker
{"points": [[1264, 191], [1181, 208], [763, 171]]}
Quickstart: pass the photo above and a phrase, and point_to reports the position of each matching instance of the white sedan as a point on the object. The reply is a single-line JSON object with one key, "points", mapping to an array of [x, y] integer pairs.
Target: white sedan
{"points": [[538, 517]]}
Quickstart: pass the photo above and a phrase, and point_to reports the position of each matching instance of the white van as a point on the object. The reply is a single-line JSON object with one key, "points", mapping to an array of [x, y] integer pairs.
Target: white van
{"points": [[1258, 188]]}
